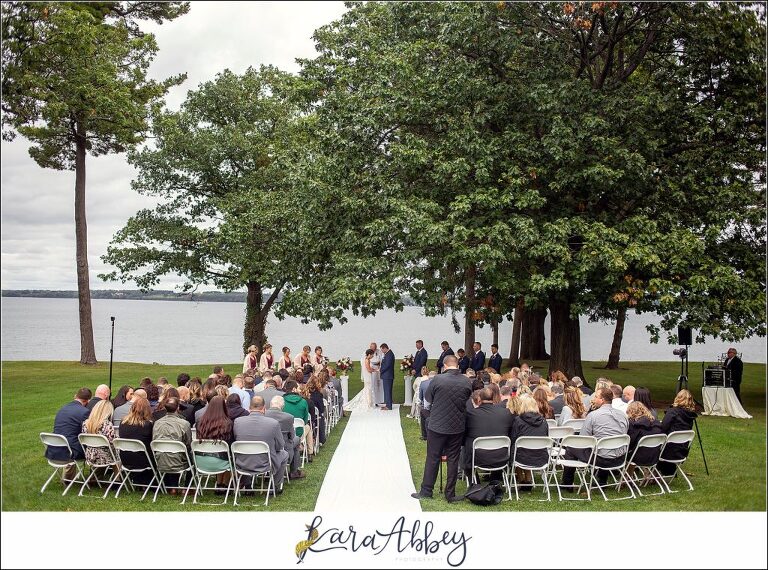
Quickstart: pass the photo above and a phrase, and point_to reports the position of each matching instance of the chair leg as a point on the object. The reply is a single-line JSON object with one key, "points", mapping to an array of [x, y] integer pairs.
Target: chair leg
{"points": [[112, 481], [85, 483], [78, 475], [55, 472]]}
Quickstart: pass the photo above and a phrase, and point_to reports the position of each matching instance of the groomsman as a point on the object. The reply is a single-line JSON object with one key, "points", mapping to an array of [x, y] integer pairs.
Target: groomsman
{"points": [[419, 358], [463, 361], [495, 360], [447, 351], [387, 374], [478, 360]]}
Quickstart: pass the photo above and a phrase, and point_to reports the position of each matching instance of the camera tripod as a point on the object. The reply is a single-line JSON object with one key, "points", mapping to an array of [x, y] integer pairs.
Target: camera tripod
{"points": [[682, 384]]}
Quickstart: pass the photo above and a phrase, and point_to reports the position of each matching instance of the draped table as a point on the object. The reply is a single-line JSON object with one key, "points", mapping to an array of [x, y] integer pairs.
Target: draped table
{"points": [[408, 390], [720, 401]]}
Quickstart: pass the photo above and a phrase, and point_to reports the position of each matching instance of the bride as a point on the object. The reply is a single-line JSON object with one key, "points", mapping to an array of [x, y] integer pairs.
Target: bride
{"points": [[364, 399]]}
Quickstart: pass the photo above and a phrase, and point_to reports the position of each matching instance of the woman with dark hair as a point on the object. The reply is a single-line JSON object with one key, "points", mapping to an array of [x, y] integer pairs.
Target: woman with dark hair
{"points": [[542, 399], [123, 395], [153, 395], [138, 425], [298, 376], [285, 361], [144, 382], [318, 359], [477, 384], [185, 410], [643, 395], [215, 425], [234, 407], [496, 391], [315, 387], [679, 417]]}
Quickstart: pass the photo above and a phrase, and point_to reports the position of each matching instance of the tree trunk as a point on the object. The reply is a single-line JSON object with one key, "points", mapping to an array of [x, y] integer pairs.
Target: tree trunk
{"points": [[256, 314], [469, 317], [495, 330], [514, 351], [618, 335], [565, 337], [532, 338], [87, 350]]}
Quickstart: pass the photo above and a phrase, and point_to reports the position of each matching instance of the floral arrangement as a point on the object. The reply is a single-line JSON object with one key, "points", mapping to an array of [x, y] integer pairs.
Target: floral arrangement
{"points": [[406, 363], [344, 365]]}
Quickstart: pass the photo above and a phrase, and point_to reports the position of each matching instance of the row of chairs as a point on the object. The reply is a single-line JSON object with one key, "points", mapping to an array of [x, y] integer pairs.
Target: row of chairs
{"points": [[635, 471]]}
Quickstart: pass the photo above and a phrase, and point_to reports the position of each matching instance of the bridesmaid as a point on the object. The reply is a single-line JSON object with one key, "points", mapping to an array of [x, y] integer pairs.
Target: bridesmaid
{"points": [[302, 358], [251, 360], [285, 360], [318, 359], [267, 359]]}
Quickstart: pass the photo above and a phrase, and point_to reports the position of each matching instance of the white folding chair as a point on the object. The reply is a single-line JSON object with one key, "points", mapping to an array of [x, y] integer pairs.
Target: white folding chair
{"points": [[492, 443], [557, 433], [171, 446], [207, 446], [575, 424], [315, 426], [98, 441], [134, 446], [194, 433], [57, 440], [244, 449], [533, 443], [116, 426], [645, 459], [678, 438], [611, 443], [298, 423], [583, 442], [552, 423]]}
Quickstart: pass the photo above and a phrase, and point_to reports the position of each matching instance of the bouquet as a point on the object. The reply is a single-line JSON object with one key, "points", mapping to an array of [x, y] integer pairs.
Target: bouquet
{"points": [[406, 364], [344, 365]]}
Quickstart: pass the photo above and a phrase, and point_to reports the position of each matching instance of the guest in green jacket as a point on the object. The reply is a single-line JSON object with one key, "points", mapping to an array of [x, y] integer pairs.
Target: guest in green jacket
{"points": [[295, 404]]}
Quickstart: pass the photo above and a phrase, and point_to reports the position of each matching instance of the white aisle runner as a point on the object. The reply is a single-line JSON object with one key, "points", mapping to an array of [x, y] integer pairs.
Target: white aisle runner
{"points": [[369, 471]]}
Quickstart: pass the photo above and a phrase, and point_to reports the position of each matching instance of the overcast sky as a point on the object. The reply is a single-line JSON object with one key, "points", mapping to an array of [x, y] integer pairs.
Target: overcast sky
{"points": [[38, 236]]}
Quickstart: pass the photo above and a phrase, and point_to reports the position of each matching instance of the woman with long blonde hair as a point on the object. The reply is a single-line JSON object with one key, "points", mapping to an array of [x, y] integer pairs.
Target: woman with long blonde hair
{"points": [[100, 422], [679, 417]]}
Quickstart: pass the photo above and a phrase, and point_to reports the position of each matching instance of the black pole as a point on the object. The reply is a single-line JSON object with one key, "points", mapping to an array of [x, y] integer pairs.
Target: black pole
{"points": [[111, 350], [701, 446]]}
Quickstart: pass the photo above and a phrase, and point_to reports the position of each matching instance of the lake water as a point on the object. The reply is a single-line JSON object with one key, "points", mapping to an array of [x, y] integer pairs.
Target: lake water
{"points": [[178, 332]]}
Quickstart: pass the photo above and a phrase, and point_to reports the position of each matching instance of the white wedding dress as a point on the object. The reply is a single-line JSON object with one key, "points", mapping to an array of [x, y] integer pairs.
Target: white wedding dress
{"points": [[363, 402]]}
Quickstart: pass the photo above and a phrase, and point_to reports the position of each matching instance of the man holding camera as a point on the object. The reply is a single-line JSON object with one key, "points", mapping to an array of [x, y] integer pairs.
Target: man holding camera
{"points": [[734, 368]]}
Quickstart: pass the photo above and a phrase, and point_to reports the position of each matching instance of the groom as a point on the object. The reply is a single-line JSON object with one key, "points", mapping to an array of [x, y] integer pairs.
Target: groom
{"points": [[387, 374]]}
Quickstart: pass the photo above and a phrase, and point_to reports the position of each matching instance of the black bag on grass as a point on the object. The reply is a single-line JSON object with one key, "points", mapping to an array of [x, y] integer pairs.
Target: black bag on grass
{"points": [[485, 494]]}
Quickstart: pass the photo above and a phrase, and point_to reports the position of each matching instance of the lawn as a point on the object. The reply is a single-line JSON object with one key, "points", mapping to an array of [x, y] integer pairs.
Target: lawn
{"points": [[32, 393], [734, 449]]}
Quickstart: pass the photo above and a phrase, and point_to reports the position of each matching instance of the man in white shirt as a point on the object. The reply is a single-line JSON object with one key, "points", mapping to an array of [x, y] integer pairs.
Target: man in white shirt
{"points": [[617, 402]]}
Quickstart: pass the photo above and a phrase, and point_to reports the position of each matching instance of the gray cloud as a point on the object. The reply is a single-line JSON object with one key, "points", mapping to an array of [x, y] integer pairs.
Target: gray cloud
{"points": [[37, 231]]}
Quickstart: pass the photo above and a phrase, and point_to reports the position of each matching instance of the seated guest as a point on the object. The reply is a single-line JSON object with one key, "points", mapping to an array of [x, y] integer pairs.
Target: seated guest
{"points": [[270, 391], [514, 405], [285, 420], [296, 405], [102, 393], [477, 384], [234, 408], [304, 392], [628, 394], [186, 411], [495, 391], [221, 390], [579, 383], [215, 425], [248, 386], [123, 410], [69, 423], [463, 360], [100, 422], [618, 403], [529, 422], [556, 399], [573, 406], [339, 392], [308, 370], [283, 375], [173, 427], [195, 395], [153, 396], [138, 425], [144, 382], [316, 401], [486, 420], [182, 379], [258, 427], [123, 395], [641, 423], [207, 393], [505, 393], [540, 394], [679, 417], [237, 388], [643, 395], [605, 421]]}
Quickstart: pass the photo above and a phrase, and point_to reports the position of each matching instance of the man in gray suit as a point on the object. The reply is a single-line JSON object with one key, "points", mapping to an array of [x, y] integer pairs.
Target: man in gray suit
{"points": [[269, 392], [258, 427], [285, 420]]}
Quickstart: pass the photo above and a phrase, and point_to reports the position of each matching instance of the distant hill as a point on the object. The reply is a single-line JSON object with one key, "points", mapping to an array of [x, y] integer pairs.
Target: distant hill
{"points": [[134, 294]]}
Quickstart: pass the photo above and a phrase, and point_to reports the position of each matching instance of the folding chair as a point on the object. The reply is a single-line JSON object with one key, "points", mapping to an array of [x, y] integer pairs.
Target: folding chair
{"points": [[532, 443], [98, 441], [327, 417], [315, 426], [57, 440], [246, 448], [552, 423], [163, 446], [134, 446], [647, 465], [491, 443], [206, 446], [611, 443], [557, 433], [116, 425], [586, 443], [299, 423], [575, 424], [194, 433], [682, 438]]}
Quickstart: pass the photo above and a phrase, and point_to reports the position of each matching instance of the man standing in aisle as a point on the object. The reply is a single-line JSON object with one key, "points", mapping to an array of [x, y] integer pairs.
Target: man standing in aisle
{"points": [[419, 359], [387, 374], [448, 394]]}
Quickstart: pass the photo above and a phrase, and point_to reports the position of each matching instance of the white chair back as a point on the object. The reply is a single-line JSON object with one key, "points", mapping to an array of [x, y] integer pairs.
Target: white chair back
{"points": [[96, 440], [681, 437], [552, 423], [130, 445], [55, 440], [490, 443], [651, 441], [612, 442], [575, 424], [559, 432], [579, 441], [210, 446]]}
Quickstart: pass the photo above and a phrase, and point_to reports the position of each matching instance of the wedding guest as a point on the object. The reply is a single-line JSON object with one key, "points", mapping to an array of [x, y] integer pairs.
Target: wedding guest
{"points": [[185, 410], [542, 400], [641, 423], [308, 370], [251, 360], [153, 395], [680, 417], [486, 420], [303, 358], [101, 394], [514, 405], [447, 351], [314, 387], [218, 370], [448, 393], [505, 393], [216, 425], [138, 425], [144, 382], [628, 394], [295, 404], [124, 394], [196, 399], [495, 360], [528, 422], [495, 392], [172, 427], [237, 388], [248, 386], [581, 385], [478, 358], [463, 361], [182, 379], [285, 360], [425, 404], [573, 408], [257, 427], [69, 422], [556, 399], [122, 411], [100, 422], [618, 403], [285, 420], [643, 395], [419, 358], [270, 390], [234, 407]]}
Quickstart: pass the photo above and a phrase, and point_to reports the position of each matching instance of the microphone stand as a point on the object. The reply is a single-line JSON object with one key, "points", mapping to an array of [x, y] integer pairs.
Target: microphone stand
{"points": [[111, 351]]}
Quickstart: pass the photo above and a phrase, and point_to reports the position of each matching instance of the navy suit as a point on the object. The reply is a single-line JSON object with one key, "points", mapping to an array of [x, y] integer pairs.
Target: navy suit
{"points": [[447, 352], [495, 362], [419, 360], [478, 361], [69, 423], [463, 364], [387, 372]]}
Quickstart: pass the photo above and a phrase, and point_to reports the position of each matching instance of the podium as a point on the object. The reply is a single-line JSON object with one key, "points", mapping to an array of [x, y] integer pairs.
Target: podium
{"points": [[722, 401], [408, 390]]}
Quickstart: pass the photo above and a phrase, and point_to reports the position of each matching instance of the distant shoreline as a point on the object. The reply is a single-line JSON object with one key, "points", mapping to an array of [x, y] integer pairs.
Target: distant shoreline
{"points": [[134, 294]]}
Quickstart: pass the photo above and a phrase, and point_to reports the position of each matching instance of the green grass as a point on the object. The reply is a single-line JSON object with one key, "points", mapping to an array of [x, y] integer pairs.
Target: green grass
{"points": [[734, 449], [32, 393]]}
